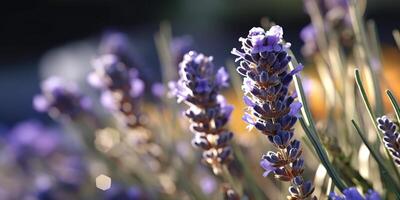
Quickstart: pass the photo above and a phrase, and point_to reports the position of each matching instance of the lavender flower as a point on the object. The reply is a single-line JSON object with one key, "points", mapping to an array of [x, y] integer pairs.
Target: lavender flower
{"points": [[391, 137], [271, 109], [121, 87], [118, 44], [59, 98], [30, 139], [199, 87], [158, 90], [117, 192], [335, 16], [353, 194]]}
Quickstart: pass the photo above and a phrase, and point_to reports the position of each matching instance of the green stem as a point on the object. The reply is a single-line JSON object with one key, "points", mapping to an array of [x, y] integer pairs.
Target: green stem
{"points": [[373, 117], [384, 171]]}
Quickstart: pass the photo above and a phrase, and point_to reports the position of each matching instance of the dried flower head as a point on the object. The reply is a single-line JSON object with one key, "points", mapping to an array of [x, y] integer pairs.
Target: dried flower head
{"points": [[199, 87], [271, 109]]}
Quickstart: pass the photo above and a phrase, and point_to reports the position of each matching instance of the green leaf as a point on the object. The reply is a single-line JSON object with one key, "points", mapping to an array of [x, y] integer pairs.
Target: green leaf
{"points": [[319, 149], [394, 103], [389, 181], [308, 125], [372, 116]]}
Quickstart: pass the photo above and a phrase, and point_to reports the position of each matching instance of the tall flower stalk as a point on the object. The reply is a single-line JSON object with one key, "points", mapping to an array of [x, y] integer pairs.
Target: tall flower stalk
{"points": [[199, 87], [121, 88], [271, 108]]}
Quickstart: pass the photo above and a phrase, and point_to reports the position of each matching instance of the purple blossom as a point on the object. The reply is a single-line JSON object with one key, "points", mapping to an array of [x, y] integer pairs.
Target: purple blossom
{"points": [[207, 184], [353, 194], [59, 98], [267, 166], [271, 108], [158, 90], [30, 138], [117, 192], [199, 86], [335, 16], [121, 88]]}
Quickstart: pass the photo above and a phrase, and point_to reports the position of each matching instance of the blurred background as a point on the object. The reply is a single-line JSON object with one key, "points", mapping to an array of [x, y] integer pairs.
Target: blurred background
{"points": [[43, 37]]}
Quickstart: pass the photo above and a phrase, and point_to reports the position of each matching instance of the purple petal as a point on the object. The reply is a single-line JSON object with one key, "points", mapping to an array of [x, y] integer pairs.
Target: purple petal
{"points": [[40, 103], [352, 193], [107, 100], [137, 87], [372, 195], [295, 108], [266, 165], [222, 77], [256, 31], [276, 31], [297, 69], [94, 80], [248, 101], [247, 118], [158, 90]]}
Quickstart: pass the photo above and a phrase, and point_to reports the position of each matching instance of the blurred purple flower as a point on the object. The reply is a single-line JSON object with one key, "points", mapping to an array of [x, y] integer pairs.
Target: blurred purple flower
{"points": [[199, 86], [158, 90], [30, 138], [59, 98], [353, 194], [207, 184], [119, 192], [121, 88]]}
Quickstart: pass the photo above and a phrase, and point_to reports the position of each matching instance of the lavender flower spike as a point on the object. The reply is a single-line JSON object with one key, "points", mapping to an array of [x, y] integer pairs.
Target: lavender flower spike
{"points": [[60, 99], [271, 109], [391, 137], [121, 87], [199, 86]]}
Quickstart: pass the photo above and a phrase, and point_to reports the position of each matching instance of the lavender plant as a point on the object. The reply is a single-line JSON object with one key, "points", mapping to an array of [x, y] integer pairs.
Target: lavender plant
{"points": [[199, 87], [391, 137], [271, 109], [61, 99], [121, 88]]}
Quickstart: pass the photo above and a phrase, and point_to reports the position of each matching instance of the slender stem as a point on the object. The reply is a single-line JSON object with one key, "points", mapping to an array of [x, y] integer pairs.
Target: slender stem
{"points": [[228, 177], [373, 117], [384, 171]]}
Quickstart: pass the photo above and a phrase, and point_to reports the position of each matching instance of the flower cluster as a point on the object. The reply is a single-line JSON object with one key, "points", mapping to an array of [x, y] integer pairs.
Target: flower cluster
{"points": [[335, 16], [43, 157], [353, 194], [59, 98], [271, 109], [121, 87], [199, 86], [391, 137]]}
